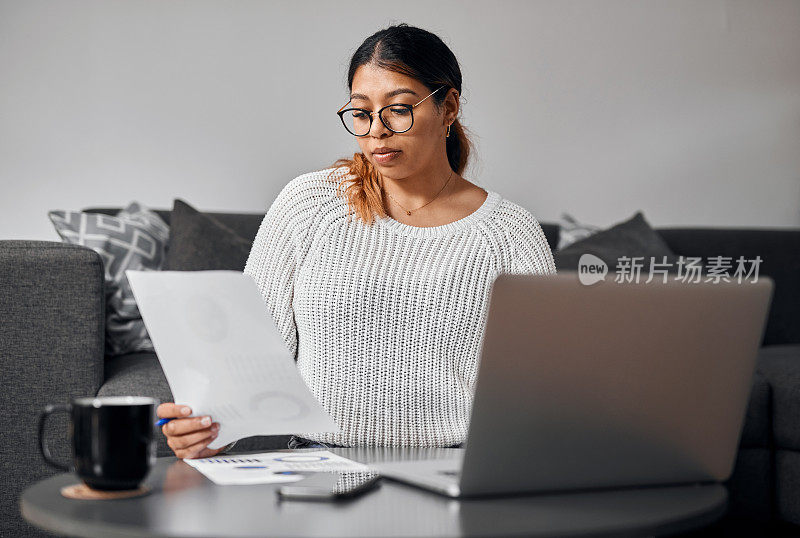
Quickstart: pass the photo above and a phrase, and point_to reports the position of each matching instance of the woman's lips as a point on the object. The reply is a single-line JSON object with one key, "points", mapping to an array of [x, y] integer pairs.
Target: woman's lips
{"points": [[383, 158]]}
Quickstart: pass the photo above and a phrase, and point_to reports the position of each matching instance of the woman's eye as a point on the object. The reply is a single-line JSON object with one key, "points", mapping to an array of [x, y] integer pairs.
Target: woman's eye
{"points": [[399, 111], [359, 115]]}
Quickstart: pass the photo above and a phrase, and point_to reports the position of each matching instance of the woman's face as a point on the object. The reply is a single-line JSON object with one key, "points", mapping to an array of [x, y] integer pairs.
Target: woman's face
{"points": [[420, 146]]}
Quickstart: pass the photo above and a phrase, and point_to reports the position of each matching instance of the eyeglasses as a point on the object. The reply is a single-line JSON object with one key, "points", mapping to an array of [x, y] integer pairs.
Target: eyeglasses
{"points": [[398, 118]]}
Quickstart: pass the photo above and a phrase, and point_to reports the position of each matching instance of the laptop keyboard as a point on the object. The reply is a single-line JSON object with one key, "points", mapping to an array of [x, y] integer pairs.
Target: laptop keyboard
{"points": [[450, 473]]}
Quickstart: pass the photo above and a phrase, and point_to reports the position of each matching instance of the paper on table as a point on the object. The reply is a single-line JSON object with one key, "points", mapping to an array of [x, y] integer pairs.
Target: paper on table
{"points": [[222, 354], [267, 467]]}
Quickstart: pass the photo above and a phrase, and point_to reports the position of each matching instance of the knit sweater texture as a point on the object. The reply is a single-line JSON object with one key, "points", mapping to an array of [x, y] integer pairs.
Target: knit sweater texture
{"points": [[386, 320]]}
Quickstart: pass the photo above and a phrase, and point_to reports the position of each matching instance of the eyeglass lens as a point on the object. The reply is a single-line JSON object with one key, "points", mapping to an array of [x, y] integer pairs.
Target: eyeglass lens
{"points": [[396, 118]]}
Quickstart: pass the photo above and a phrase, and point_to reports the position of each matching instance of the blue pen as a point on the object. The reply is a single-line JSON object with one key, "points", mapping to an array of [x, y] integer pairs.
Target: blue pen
{"points": [[163, 421]]}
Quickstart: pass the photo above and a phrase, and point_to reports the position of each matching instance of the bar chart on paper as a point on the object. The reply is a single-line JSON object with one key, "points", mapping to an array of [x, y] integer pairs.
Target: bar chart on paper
{"points": [[268, 467]]}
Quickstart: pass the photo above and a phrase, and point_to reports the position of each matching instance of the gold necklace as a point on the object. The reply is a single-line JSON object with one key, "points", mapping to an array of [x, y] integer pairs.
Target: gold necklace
{"points": [[408, 211]]}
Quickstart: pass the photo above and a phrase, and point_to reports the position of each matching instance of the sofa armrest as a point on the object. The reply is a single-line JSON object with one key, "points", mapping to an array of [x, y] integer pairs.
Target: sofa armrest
{"points": [[52, 336]]}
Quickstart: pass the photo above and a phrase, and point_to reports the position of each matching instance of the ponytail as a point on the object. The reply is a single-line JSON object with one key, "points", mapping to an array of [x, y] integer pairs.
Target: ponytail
{"points": [[362, 188], [458, 146]]}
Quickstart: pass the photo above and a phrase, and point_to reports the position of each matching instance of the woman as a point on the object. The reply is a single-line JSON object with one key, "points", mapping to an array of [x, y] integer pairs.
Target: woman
{"points": [[385, 313]]}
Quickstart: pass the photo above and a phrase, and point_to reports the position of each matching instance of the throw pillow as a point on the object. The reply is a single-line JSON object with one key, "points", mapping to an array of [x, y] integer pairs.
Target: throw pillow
{"points": [[632, 238], [135, 239], [570, 230], [201, 242]]}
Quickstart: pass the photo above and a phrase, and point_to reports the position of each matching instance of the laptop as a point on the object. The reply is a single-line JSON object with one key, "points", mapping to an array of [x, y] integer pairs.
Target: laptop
{"points": [[614, 384]]}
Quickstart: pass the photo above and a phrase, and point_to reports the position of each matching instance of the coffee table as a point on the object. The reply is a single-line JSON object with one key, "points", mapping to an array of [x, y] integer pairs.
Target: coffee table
{"points": [[184, 503]]}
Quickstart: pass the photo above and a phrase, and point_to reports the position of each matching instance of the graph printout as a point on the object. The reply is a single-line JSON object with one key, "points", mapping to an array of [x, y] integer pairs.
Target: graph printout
{"points": [[267, 467]]}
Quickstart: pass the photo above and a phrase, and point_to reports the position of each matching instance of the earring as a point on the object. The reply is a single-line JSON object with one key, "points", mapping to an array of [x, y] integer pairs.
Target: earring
{"points": [[448, 131]]}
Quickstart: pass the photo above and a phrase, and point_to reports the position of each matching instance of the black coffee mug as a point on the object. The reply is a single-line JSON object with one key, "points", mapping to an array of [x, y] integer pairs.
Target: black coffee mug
{"points": [[113, 445]]}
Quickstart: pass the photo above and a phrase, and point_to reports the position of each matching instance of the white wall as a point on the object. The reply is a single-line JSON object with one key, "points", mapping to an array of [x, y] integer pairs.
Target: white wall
{"points": [[688, 110]]}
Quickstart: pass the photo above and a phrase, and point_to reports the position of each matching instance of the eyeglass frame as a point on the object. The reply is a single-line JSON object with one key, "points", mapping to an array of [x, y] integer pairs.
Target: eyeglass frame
{"points": [[342, 110]]}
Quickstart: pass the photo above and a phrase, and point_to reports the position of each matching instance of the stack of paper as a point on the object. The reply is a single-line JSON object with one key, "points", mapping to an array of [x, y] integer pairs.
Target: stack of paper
{"points": [[267, 467]]}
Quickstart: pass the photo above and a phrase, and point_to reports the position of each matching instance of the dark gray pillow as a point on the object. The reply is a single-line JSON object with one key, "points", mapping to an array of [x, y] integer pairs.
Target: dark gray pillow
{"points": [[133, 239], [632, 238], [200, 242]]}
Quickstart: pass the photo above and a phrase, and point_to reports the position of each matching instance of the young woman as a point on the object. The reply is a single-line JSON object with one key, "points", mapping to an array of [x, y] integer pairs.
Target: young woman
{"points": [[385, 312]]}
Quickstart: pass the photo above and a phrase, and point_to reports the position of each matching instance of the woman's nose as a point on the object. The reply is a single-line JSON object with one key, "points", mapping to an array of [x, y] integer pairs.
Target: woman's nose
{"points": [[377, 128]]}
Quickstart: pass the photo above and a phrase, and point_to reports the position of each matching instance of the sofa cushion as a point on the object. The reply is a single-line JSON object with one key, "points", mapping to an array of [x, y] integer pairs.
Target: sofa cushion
{"points": [[758, 418], [780, 366], [200, 242], [135, 238], [787, 486], [140, 374], [632, 238]]}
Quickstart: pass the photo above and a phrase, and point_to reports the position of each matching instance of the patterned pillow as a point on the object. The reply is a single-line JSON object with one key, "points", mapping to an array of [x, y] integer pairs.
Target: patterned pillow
{"points": [[135, 238], [570, 230]]}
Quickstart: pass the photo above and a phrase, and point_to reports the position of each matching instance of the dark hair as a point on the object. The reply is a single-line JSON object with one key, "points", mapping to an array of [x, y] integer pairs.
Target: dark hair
{"points": [[423, 56]]}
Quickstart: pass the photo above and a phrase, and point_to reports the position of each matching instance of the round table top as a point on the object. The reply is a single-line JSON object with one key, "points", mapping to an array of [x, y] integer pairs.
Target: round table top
{"points": [[183, 502]]}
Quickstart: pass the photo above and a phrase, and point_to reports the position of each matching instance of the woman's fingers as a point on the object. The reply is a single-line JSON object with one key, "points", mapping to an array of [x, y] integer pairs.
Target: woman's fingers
{"points": [[177, 442], [188, 437], [173, 410], [195, 450], [184, 442], [208, 452], [182, 426]]}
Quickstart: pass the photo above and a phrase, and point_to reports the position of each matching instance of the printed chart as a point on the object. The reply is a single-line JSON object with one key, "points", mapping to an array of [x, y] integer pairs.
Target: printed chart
{"points": [[269, 467]]}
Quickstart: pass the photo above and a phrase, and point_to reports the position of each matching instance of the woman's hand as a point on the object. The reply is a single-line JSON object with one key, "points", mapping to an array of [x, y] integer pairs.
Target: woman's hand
{"points": [[188, 437]]}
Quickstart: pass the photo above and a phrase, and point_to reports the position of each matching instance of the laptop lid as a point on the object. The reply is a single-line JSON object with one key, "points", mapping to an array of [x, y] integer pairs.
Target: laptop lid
{"points": [[611, 384]]}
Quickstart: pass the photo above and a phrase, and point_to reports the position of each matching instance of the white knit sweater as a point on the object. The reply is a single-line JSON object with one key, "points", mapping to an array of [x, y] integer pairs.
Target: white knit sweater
{"points": [[386, 321]]}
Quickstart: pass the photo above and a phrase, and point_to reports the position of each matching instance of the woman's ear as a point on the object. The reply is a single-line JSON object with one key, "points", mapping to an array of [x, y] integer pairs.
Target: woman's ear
{"points": [[452, 104]]}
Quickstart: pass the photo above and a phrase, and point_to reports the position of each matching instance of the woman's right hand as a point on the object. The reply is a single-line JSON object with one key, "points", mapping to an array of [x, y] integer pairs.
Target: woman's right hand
{"points": [[188, 437]]}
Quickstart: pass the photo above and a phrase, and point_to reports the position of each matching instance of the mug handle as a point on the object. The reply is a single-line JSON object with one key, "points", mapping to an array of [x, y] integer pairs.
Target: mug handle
{"points": [[48, 410]]}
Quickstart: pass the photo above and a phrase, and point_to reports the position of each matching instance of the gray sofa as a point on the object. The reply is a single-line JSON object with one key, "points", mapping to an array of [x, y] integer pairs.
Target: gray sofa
{"points": [[52, 317]]}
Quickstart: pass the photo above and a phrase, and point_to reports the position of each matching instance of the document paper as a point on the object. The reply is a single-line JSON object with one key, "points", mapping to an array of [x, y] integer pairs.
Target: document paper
{"points": [[267, 467], [223, 356]]}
